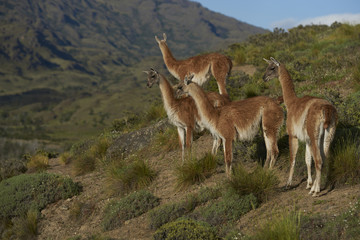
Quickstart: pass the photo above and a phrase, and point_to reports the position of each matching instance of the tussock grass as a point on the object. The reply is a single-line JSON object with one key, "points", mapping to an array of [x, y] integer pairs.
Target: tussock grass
{"points": [[195, 170], [83, 164], [283, 227], [167, 140], [38, 163], [23, 227], [124, 176], [65, 158], [90, 155], [261, 182], [344, 161]]}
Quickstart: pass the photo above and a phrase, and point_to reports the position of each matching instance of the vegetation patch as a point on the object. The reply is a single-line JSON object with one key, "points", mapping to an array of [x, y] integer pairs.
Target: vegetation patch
{"points": [[261, 182], [344, 161], [23, 227], [133, 205], [38, 163], [229, 208], [285, 226], [185, 229], [33, 191], [124, 176], [194, 170], [167, 140], [346, 225], [170, 212]]}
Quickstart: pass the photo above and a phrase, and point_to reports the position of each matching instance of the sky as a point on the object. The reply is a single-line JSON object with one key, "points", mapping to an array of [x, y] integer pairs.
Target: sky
{"points": [[286, 14]]}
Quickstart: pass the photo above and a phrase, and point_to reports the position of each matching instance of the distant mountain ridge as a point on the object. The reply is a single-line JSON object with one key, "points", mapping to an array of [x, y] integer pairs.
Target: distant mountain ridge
{"points": [[88, 34], [89, 55]]}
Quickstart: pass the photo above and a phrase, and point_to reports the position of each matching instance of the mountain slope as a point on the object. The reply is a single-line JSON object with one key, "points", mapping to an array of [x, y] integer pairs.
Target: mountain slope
{"points": [[91, 54]]}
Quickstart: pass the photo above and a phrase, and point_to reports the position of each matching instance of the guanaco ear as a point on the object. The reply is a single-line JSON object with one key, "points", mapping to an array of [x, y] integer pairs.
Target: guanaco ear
{"points": [[268, 61], [275, 61], [164, 36], [157, 39]]}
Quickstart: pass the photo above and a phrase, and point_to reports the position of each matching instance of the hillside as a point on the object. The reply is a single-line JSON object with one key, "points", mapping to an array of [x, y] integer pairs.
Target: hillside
{"points": [[134, 186], [68, 65]]}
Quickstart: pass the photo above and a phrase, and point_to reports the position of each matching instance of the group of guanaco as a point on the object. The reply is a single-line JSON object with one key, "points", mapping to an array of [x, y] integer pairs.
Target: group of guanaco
{"points": [[309, 119]]}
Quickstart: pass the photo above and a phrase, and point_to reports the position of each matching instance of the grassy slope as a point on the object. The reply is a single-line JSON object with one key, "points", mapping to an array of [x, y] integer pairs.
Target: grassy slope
{"points": [[323, 72]]}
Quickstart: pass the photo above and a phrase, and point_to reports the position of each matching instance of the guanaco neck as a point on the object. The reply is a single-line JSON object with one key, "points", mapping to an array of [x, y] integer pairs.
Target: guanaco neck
{"points": [[167, 92], [205, 108], [287, 85], [167, 55]]}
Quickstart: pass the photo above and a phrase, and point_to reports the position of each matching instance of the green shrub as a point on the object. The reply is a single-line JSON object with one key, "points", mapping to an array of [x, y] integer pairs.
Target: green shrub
{"points": [[185, 229], [172, 211], [261, 182], [133, 205], [166, 213], [284, 227], [195, 170], [33, 191], [123, 177], [206, 194], [229, 208]]}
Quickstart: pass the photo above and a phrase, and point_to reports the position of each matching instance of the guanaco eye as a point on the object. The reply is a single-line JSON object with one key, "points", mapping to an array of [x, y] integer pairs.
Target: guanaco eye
{"points": [[273, 68]]}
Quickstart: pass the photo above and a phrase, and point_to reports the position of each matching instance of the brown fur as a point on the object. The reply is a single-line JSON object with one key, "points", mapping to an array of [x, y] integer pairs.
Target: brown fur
{"points": [[201, 66], [181, 112], [309, 119], [239, 119]]}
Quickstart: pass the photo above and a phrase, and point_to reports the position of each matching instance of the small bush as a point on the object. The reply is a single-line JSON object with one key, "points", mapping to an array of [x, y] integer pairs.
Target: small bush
{"points": [[133, 205], [195, 170], [38, 163], [283, 227], [230, 208], [185, 229], [261, 182], [123, 177], [33, 191]]}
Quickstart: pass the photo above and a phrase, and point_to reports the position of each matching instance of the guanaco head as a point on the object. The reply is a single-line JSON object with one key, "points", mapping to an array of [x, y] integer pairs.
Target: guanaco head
{"points": [[272, 70], [161, 42], [152, 77], [183, 86]]}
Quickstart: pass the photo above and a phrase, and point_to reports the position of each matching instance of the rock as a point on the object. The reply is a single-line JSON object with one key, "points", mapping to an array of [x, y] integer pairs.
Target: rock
{"points": [[129, 143]]}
